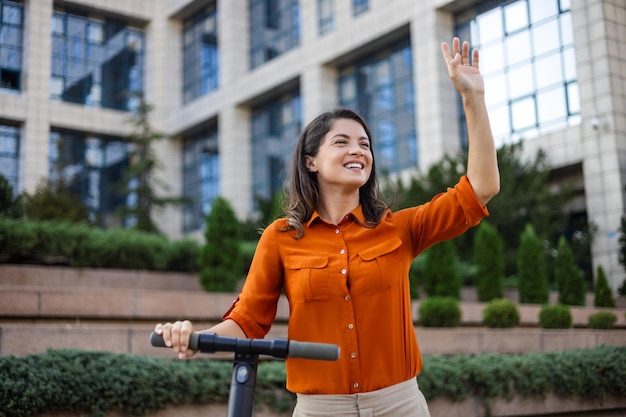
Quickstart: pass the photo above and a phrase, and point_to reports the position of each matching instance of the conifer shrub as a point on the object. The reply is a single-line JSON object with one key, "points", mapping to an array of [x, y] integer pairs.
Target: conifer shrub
{"points": [[602, 320], [501, 313], [532, 276], [441, 277], [489, 262], [603, 295], [568, 276], [440, 312], [556, 316], [220, 257]]}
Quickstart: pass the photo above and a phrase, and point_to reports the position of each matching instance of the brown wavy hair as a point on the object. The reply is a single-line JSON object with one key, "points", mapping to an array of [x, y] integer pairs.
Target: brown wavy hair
{"points": [[303, 191]]}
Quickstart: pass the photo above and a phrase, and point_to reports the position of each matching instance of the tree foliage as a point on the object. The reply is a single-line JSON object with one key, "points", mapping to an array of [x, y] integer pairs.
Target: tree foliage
{"points": [[489, 261], [568, 276], [140, 180], [220, 257], [10, 205], [532, 277], [53, 199], [525, 197]]}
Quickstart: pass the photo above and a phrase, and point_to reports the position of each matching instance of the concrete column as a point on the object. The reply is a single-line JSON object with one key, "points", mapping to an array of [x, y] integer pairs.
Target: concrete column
{"points": [[233, 40], [601, 70], [36, 88], [318, 89], [235, 149]]}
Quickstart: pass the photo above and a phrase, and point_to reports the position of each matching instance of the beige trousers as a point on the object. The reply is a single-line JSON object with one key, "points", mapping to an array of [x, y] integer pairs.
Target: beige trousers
{"points": [[400, 400]]}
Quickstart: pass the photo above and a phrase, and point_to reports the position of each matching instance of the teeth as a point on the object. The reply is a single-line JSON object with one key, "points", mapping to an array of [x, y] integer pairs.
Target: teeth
{"points": [[354, 165]]}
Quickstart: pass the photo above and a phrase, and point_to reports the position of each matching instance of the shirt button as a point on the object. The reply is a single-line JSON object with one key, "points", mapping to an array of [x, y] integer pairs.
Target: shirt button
{"points": [[336, 230], [350, 326], [347, 298], [356, 385], [343, 272], [342, 251], [353, 355]]}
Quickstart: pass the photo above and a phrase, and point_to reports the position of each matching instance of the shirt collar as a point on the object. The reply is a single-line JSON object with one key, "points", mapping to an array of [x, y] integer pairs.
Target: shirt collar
{"points": [[356, 214]]}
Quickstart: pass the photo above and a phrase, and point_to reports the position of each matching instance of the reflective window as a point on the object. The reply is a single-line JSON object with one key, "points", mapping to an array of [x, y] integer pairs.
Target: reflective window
{"points": [[528, 63], [275, 129], [326, 13], [274, 29], [359, 6], [11, 31], [200, 55], [380, 88], [93, 167], [201, 178], [97, 62], [9, 154]]}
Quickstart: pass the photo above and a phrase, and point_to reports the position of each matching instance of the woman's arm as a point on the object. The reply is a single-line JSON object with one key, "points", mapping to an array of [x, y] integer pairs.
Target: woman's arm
{"points": [[482, 164]]}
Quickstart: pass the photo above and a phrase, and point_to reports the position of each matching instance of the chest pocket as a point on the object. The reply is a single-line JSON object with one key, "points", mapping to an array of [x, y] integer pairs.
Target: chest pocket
{"points": [[307, 278], [376, 266]]}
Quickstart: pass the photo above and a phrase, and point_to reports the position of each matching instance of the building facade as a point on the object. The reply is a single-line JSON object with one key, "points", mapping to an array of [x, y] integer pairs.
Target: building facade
{"points": [[232, 82]]}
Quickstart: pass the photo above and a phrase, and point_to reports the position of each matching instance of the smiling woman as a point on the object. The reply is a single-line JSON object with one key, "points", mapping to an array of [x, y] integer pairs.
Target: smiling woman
{"points": [[342, 258]]}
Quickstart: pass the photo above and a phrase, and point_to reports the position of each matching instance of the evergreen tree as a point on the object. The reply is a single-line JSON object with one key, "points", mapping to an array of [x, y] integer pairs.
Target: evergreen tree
{"points": [[140, 180], [568, 276], [440, 273], [511, 210], [489, 262], [10, 206], [532, 276], [220, 257], [603, 295], [53, 199], [622, 242]]}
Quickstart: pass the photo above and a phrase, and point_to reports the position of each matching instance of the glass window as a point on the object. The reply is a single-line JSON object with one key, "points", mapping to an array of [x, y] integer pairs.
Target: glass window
{"points": [[96, 62], [9, 154], [93, 167], [201, 178], [200, 55], [11, 32], [528, 62], [380, 88], [274, 29], [275, 128], [359, 6], [326, 11]]}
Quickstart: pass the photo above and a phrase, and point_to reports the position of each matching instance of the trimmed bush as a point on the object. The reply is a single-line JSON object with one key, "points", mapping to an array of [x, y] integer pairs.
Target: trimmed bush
{"points": [[441, 277], [501, 313], [533, 280], [440, 312], [81, 245], [97, 383], [557, 316], [568, 276], [602, 320], [489, 261], [220, 257], [603, 295]]}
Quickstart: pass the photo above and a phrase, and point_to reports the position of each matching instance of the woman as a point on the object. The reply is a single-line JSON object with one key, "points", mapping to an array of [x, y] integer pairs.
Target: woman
{"points": [[342, 258]]}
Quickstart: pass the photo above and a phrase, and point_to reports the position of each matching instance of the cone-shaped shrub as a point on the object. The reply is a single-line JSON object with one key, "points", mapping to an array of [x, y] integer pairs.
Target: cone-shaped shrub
{"points": [[441, 277], [603, 296], [220, 257], [532, 277], [489, 261], [568, 276]]}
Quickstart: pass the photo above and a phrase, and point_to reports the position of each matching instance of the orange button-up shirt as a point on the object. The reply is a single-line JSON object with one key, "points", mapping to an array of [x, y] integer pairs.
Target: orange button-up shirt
{"points": [[348, 285]]}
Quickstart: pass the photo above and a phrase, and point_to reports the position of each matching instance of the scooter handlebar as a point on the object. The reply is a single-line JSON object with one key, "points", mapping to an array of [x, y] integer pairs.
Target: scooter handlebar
{"points": [[279, 348]]}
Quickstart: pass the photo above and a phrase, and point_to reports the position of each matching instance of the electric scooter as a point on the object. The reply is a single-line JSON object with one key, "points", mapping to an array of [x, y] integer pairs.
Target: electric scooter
{"points": [[247, 351]]}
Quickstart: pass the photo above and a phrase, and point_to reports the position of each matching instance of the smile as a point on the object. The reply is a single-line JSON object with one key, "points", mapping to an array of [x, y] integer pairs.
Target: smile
{"points": [[354, 165]]}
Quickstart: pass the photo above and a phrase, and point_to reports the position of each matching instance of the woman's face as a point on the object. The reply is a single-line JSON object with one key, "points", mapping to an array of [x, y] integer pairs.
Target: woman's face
{"points": [[344, 159]]}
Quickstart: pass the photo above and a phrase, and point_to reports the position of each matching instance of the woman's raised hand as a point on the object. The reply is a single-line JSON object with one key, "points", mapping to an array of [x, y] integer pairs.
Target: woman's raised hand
{"points": [[464, 73]]}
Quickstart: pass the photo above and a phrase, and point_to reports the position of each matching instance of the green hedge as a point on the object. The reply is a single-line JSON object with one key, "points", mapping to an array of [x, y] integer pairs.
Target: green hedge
{"points": [[96, 383], [81, 245]]}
